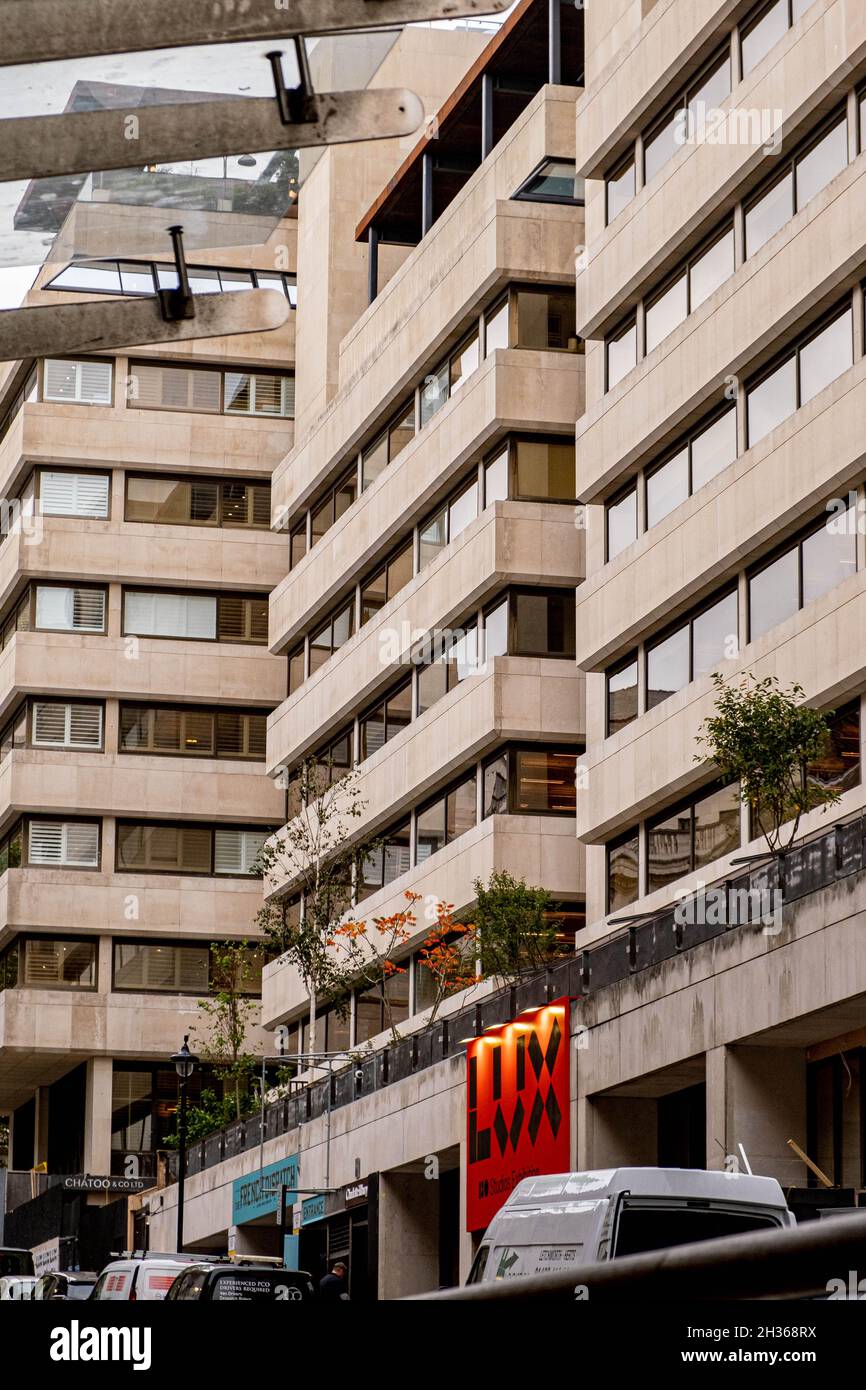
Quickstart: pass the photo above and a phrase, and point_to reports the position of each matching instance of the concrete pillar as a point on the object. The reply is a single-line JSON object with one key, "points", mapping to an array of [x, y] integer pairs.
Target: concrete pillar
{"points": [[408, 1234], [97, 1116], [40, 1126], [756, 1096]]}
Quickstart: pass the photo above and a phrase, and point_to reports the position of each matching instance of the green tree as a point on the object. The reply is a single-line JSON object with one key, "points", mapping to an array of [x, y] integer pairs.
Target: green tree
{"points": [[210, 1112], [516, 931], [229, 1011], [765, 738]]}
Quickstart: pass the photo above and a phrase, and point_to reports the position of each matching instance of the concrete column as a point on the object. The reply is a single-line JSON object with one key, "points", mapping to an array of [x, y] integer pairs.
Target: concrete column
{"points": [[40, 1126], [756, 1096], [408, 1234], [97, 1116]]}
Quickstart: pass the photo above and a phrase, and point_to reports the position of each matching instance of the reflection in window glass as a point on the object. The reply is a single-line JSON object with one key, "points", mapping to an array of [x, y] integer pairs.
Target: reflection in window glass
{"points": [[544, 781], [711, 91], [462, 510], [667, 487], [621, 523], [374, 461], [496, 479], [495, 788], [714, 448], [773, 594], [711, 269], [666, 312], [822, 163], [717, 825], [496, 328], [496, 631], [620, 189], [434, 393], [546, 319], [401, 432], [622, 873], [544, 470], [660, 147], [544, 624], [433, 537], [827, 356], [667, 667], [622, 697], [463, 363], [772, 401], [621, 355], [769, 213], [829, 556], [669, 850], [714, 635], [764, 35]]}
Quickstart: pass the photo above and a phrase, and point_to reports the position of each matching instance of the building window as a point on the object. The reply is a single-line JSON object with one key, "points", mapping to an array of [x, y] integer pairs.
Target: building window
{"points": [[702, 274], [814, 565], [623, 872], [621, 521], [393, 577], [197, 501], [622, 705], [620, 188], [84, 381], [259, 393], [386, 862], [187, 849], [457, 659], [621, 351], [770, 24], [161, 966], [445, 819], [192, 731], [54, 963], [542, 623], [146, 277], [327, 512], [689, 839], [805, 371], [530, 781], [62, 609], [696, 461], [497, 326], [297, 660], [804, 176], [446, 523], [11, 847], [14, 733], [63, 844], [63, 493], [210, 390], [386, 720], [373, 1015], [692, 649], [689, 114], [554, 181], [60, 724], [544, 470], [196, 617], [546, 319]]}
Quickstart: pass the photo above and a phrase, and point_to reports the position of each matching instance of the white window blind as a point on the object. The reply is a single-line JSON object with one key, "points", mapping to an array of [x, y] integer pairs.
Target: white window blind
{"points": [[170, 615], [74, 494], [59, 725], [154, 387], [235, 851], [64, 842], [249, 393], [50, 962], [181, 969], [84, 381], [70, 610]]}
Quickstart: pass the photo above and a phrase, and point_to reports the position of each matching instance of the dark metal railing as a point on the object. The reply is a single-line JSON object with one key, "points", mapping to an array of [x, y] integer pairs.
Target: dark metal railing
{"points": [[825, 859]]}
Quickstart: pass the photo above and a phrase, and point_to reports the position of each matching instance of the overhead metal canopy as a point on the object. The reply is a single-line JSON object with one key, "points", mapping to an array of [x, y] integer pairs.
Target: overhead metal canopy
{"points": [[36, 31], [48, 146], [119, 323]]}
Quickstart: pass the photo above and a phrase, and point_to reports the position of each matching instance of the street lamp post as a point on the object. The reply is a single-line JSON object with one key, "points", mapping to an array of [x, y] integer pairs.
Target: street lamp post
{"points": [[184, 1065]]}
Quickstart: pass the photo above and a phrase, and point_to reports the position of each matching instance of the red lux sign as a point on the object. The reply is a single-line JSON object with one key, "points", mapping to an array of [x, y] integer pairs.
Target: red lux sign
{"points": [[517, 1108]]}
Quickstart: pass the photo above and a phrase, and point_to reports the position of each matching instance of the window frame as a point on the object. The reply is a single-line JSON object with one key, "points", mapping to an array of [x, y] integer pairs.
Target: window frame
{"points": [[688, 620], [210, 826], [789, 167], [136, 475], [793, 352], [46, 818], [793, 542]]}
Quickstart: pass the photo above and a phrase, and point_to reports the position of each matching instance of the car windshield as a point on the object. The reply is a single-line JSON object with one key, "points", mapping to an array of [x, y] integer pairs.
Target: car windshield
{"points": [[78, 1290]]}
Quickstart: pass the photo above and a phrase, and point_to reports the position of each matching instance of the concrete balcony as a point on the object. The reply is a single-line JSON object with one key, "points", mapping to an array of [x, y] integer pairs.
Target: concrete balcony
{"points": [[482, 241], [43, 780], [122, 904], [652, 760], [814, 455], [512, 390], [61, 663], [805, 267], [44, 1033], [150, 440], [541, 849], [135, 552], [688, 198], [511, 542]]}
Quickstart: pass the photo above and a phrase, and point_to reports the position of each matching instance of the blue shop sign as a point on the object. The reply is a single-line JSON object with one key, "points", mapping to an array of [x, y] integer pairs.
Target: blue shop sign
{"points": [[257, 1193]]}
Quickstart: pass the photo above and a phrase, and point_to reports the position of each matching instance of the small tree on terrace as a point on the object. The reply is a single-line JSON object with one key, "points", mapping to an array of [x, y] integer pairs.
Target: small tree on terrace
{"points": [[516, 930], [765, 738], [229, 1011], [314, 856]]}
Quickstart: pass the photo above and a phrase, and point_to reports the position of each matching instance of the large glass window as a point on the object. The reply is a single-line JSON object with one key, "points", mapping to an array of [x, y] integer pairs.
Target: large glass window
{"points": [[447, 522], [622, 693], [393, 577], [705, 830], [621, 522], [386, 862], [544, 470], [63, 844], [620, 189], [543, 622], [703, 273], [805, 175], [456, 659], [187, 848], [54, 963], [553, 182], [83, 380], [544, 781], [192, 731], [62, 609], [764, 33], [445, 819], [173, 386], [197, 501], [692, 649], [621, 354], [810, 367], [497, 332], [546, 319], [623, 879], [810, 567], [386, 720], [330, 637]]}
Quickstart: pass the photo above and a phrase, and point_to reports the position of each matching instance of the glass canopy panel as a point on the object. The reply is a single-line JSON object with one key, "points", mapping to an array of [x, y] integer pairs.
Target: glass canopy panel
{"points": [[228, 201]]}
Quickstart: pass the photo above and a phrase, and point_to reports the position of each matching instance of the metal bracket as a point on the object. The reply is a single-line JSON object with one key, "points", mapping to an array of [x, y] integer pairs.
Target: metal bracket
{"points": [[295, 104], [177, 303]]}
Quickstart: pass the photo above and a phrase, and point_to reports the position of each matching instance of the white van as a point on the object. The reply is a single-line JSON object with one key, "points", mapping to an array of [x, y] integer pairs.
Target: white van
{"points": [[17, 1288], [570, 1219], [141, 1277]]}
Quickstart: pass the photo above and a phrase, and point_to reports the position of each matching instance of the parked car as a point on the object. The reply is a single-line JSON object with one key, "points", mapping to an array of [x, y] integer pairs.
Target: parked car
{"points": [[146, 1277], [68, 1285], [16, 1288], [570, 1219], [14, 1261], [241, 1281]]}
